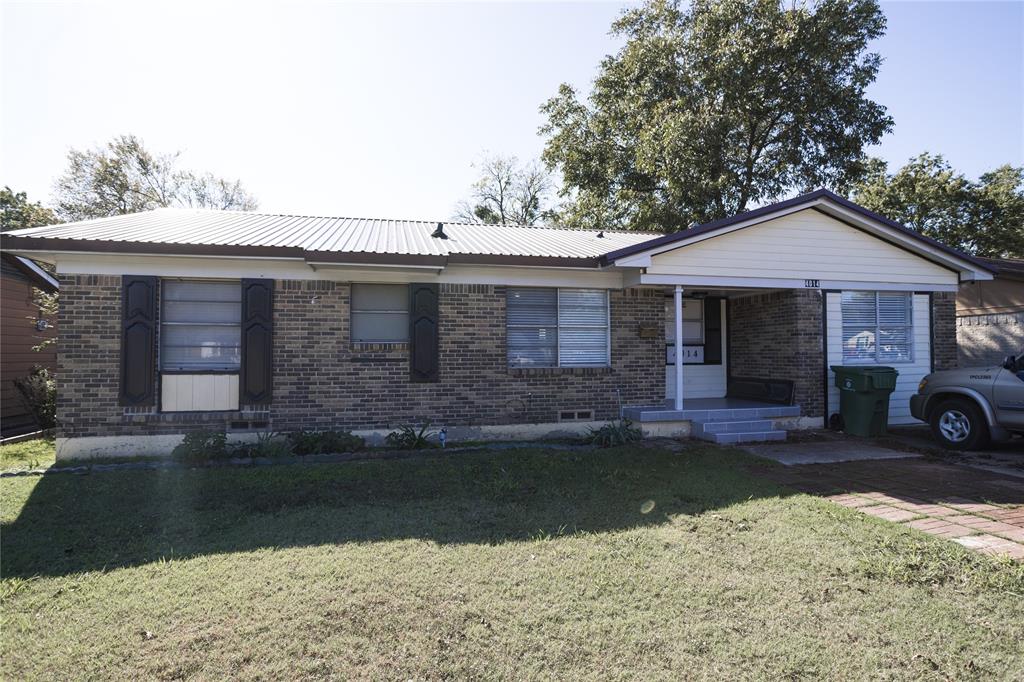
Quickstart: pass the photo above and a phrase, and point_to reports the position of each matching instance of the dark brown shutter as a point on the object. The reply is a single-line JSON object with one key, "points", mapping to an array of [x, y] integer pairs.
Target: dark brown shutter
{"points": [[138, 340], [423, 326], [255, 385], [712, 331]]}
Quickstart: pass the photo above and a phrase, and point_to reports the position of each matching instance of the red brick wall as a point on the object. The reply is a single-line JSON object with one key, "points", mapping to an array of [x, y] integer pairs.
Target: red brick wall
{"points": [[322, 380], [777, 335]]}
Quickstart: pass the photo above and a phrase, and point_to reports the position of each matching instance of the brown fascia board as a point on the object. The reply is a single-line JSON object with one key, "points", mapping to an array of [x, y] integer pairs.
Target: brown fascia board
{"points": [[10, 243], [542, 261], [32, 275]]}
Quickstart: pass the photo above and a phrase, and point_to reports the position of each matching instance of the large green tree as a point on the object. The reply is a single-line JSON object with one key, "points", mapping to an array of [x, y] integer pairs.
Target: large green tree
{"points": [[124, 177], [713, 107], [16, 211], [983, 217]]}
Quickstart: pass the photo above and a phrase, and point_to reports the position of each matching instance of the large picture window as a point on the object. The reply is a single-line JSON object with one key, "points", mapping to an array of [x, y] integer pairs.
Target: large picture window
{"points": [[877, 326], [380, 313], [200, 326], [557, 327]]}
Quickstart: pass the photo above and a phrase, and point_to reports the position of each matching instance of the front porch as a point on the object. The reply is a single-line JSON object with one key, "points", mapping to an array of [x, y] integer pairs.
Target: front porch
{"points": [[719, 420], [748, 367]]}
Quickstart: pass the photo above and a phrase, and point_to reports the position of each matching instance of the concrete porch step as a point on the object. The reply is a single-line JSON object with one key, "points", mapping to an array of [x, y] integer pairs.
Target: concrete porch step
{"points": [[755, 426], [659, 413], [746, 437]]}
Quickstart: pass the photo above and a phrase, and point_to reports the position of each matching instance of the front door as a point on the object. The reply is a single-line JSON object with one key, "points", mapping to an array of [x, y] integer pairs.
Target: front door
{"points": [[699, 380]]}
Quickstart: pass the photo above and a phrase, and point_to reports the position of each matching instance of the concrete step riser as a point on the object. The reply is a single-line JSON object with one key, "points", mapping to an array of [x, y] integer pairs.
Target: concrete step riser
{"points": [[735, 426], [733, 438]]}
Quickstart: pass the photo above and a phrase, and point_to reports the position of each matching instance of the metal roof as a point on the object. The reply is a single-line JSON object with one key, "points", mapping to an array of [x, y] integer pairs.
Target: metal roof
{"points": [[314, 235]]}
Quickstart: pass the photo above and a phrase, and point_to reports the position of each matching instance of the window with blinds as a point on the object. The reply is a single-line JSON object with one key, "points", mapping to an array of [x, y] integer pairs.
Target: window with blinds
{"points": [[380, 313], [557, 327], [877, 326], [200, 326]]}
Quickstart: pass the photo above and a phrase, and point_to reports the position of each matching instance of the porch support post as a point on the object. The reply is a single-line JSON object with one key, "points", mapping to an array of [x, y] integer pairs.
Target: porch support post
{"points": [[679, 347]]}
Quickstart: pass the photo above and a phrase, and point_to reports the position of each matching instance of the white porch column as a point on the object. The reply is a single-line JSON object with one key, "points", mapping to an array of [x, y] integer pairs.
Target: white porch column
{"points": [[679, 347]]}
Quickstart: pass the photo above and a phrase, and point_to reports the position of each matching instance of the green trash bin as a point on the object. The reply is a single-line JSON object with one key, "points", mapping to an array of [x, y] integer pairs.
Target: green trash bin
{"points": [[864, 398]]}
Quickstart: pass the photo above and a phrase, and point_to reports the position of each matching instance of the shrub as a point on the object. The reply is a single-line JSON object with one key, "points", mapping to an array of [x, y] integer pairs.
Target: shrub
{"points": [[199, 446], [325, 442], [268, 444], [38, 392], [614, 433], [408, 438]]}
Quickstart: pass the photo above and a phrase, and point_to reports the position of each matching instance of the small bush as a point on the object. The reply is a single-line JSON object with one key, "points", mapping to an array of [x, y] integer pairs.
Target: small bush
{"points": [[268, 444], [199, 446], [614, 433], [38, 392], [325, 442], [409, 438]]}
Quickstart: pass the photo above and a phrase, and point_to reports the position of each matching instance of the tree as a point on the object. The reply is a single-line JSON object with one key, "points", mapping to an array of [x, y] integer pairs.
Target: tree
{"points": [[714, 107], [16, 211], [984, 218], [507, 193], [124, 177]]}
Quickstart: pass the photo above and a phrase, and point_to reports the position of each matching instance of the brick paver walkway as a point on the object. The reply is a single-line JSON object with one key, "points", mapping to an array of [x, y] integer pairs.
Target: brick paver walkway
{"points": [[979, 510]]}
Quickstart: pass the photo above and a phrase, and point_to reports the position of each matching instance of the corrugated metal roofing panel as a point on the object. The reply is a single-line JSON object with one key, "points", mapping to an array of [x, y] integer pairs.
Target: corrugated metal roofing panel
{"points": [[337, 235]]}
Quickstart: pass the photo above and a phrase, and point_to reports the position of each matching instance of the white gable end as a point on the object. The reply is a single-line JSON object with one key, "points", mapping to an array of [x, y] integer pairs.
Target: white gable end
{"points": [[806, 245]]}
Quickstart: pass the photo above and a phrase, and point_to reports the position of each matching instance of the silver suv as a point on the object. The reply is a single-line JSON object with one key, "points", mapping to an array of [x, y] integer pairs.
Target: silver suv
{"points": [[968, 408]]}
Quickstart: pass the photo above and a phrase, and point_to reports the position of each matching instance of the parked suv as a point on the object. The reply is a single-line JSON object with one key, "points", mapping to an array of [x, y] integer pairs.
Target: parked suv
{"points": [[967, 408]]}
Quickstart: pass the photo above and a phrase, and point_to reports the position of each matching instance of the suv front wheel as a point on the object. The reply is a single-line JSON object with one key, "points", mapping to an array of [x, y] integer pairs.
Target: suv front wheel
{"points": [[958, 424]]}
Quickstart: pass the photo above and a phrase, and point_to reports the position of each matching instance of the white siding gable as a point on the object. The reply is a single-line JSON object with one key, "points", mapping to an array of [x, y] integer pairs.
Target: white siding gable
{"points": [[803, 245]]}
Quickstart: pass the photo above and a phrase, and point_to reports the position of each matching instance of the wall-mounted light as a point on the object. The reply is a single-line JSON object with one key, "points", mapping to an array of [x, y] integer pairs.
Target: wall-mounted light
{"points": [[42, 325]]}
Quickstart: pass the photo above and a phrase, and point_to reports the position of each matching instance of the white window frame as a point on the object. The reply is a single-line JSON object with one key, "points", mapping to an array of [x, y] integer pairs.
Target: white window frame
{"points": [[559, 326], [353, 312], [877, 331], [164, 324]]}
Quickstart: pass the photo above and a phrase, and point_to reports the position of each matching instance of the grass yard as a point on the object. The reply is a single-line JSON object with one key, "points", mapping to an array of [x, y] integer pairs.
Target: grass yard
{"points": [[30, 454], [617, 564]]}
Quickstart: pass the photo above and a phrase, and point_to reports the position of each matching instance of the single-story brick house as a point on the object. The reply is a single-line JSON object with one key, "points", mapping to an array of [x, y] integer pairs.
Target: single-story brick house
{"points": [[176, 320]]}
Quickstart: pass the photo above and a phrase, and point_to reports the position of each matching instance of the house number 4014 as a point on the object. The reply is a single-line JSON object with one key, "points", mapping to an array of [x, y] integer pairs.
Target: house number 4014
{"points": [[811, 284]]}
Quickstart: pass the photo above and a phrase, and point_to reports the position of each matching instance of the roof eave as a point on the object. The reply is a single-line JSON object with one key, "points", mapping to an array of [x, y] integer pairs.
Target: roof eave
{"points": [[48, 244]]}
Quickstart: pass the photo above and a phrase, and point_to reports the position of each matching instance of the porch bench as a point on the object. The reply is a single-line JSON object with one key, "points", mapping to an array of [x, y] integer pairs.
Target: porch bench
{"points": [[778, 391]]}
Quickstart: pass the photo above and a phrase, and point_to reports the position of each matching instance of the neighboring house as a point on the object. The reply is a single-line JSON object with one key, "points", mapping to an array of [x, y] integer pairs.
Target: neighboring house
{"points": [[21, 328], [990, 315], [176, 320]]}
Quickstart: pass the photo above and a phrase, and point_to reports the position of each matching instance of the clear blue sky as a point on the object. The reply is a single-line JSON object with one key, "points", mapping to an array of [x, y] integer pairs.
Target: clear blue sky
{"points": [[378, 110]]}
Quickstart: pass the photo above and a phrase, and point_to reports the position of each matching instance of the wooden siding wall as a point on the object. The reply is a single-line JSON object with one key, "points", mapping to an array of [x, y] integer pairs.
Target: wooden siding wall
{"points": [[804, 245], [17, 337], [910, 373]]}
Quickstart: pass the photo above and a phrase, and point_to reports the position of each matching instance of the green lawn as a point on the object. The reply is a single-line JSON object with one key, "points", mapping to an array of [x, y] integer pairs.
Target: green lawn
{"points": [[514, 564], [31, 454]]}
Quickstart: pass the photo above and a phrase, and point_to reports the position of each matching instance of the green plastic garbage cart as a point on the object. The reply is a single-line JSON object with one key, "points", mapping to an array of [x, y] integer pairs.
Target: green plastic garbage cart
{"points": [[864, 398]]}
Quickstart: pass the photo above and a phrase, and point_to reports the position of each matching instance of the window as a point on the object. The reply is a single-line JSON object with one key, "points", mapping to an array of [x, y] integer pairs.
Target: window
{"points": [[557, 328], [876, 326], [693, 322], [200, 326], [380, 313]]}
